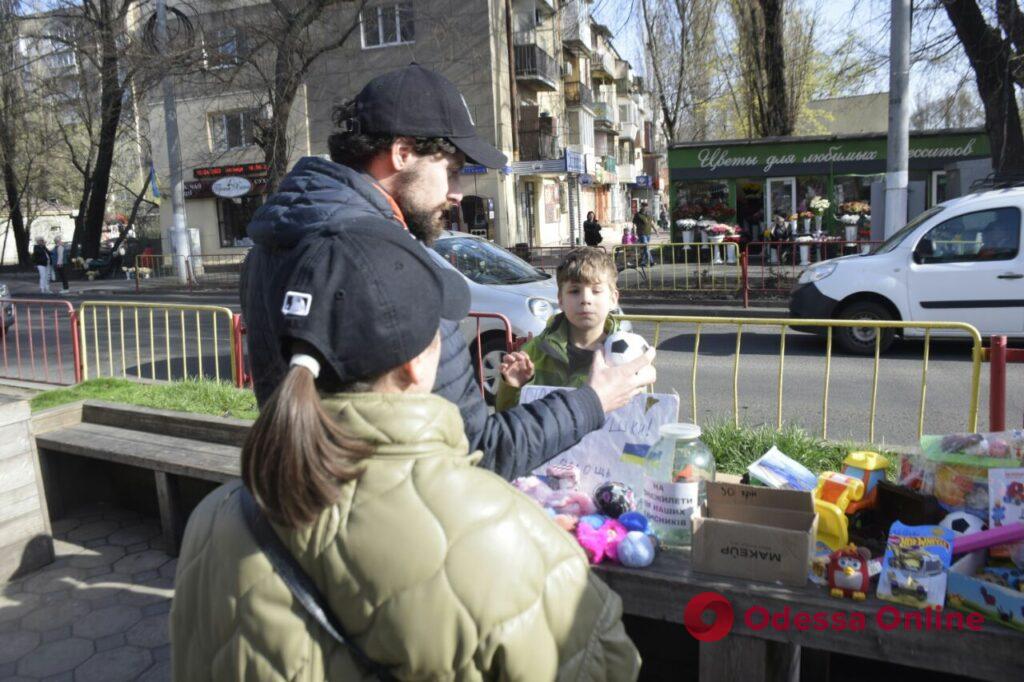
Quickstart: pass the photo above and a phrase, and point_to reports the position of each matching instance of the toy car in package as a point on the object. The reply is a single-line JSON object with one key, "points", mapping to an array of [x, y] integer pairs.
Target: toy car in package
{"points": [[955, 467], [915, 564]]}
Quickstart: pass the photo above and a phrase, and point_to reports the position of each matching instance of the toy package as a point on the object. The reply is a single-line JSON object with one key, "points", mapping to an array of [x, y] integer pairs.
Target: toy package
{"points": [[775, 470], [955, 467], [1005, 502], [915, 564]]}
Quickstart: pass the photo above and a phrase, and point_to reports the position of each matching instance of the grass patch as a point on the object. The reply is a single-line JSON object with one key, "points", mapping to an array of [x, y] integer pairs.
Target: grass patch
{"points": [[203, 397], [736, 447]]}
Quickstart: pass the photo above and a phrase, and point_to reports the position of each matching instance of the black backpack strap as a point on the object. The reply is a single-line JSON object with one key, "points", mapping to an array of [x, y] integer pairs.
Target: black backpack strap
{"points": [[300, 584]]}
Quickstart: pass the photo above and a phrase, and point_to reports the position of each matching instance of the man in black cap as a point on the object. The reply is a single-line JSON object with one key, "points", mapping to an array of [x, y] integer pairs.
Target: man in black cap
{"points": [[397, 157]]}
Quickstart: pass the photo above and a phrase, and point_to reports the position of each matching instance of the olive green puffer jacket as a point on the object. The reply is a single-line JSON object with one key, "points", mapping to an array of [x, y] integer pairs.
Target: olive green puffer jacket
{"points": [[437, 568]]}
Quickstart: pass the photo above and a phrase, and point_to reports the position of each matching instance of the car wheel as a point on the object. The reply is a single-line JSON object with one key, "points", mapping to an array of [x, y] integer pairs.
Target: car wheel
{"points": [[861, 340], [493, 350]]}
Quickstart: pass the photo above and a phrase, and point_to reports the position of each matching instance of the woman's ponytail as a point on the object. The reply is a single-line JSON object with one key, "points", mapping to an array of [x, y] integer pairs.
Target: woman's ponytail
{"points": [[296, 455]]}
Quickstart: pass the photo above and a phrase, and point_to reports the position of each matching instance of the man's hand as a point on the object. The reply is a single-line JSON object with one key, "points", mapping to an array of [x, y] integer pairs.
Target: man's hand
{"points": [[616, 386], [516, 369]]}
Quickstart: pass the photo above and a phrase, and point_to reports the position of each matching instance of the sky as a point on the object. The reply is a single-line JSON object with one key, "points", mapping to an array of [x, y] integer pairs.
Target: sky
{"points": [[836, 17]]}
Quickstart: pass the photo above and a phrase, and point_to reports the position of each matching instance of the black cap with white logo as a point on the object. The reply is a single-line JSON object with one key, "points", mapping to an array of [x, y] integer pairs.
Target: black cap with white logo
{"points": [[368, 298], [418, 102]]}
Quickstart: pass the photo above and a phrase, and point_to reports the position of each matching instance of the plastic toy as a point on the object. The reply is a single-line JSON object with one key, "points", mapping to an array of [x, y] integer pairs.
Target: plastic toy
{"points": [[848, 573], [601, 543], [614, 499], [988, 538], [963, 523], [1014, 493], [636, 550], [870, 527], [915, 564], [832, 496], [870, 468]]}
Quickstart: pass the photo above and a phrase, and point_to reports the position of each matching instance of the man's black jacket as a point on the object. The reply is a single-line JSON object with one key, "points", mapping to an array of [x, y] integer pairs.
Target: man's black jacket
{"points": [[320, 196]]}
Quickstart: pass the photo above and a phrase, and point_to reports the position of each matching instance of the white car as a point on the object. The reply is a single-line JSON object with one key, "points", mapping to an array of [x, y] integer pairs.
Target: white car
{"points": [[959, 261], [499, 282]]}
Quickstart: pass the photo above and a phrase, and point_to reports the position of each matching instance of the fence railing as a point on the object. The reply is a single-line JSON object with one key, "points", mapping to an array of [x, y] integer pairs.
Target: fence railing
{"points": [[157, 341], [774, 266], [39, 341], [202, 271], [652, 328], [679, 266]]}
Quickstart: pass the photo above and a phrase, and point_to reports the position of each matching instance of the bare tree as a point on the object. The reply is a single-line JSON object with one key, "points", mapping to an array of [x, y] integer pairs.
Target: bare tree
{"points": [[12, 115], [677, 39]]}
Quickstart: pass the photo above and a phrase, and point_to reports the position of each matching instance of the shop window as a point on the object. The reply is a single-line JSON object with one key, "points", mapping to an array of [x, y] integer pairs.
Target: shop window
{"points": [[233, 129], [808, 187], [387, 25], [233, 217], [750, 204], [984, 235], [939, 192], [854, 188], [703, 199]]}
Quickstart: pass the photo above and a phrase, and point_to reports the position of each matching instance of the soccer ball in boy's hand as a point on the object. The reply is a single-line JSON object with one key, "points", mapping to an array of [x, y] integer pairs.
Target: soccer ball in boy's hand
{"points": [[623, 347]]}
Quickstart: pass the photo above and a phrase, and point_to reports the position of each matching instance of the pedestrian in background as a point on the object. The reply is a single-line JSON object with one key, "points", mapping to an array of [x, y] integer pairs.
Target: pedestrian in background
{"points": [[643, 225], [41, 259], [591, 230], [58, 260]]}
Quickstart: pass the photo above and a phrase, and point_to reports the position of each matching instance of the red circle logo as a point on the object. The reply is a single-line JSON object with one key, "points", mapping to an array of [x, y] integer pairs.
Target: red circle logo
{"points": [[717, 605]]}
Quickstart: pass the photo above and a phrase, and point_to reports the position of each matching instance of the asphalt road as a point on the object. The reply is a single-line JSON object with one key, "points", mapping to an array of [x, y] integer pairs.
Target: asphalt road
{"points": [[897, 400]]}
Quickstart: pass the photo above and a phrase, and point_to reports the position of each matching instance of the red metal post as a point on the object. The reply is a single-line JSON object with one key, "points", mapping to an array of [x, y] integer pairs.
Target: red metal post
{"points": [[745, 275], [997, 384], [75, 349]]}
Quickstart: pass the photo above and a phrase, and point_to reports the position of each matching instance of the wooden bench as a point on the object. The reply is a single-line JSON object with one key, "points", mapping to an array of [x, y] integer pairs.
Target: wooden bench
{"points": [[663, 590], [185, 455]]}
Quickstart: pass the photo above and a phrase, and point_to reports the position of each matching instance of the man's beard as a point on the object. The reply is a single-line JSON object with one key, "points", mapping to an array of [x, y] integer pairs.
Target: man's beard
{"points": [[426, 224]]}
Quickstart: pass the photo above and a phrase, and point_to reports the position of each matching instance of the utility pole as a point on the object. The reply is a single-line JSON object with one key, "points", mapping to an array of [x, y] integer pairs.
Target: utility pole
{"points": [[179, 235], [897, 154]]}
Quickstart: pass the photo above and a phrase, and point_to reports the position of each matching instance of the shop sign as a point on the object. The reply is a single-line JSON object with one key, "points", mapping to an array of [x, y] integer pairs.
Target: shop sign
{"points": [[244, 170], [586, 180], [231, 187], [821, 156], [208, 189], [643, 181], [574, 162]]}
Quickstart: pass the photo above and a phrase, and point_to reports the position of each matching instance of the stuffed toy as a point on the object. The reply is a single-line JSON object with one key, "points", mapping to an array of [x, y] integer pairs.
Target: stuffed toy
{"points": [[601, 543], [636, 550]]}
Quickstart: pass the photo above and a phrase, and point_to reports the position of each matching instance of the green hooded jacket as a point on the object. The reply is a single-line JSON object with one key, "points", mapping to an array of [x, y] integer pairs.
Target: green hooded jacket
{"points": [[549, 352]]}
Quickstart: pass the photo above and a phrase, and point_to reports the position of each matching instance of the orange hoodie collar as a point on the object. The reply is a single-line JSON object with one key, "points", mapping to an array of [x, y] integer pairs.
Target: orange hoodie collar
{"points": [[394, 205]]}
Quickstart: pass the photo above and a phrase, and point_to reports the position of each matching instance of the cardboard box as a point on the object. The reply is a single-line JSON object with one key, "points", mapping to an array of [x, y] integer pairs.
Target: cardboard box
{"points": [[966, 592], [756, 533]]}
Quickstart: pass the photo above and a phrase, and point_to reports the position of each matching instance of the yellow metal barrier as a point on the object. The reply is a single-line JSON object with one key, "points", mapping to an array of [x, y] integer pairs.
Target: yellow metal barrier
{"points": [[700, 324], [107, 341], [679, 266]]}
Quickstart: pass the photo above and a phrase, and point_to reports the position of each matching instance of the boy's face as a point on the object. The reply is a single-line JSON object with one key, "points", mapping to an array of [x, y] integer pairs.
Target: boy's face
{"points": [[586, 304]]}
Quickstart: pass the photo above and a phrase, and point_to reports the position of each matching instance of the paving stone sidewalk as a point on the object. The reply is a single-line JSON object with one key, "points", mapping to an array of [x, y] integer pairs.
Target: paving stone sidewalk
{"points": [[99, 612]]}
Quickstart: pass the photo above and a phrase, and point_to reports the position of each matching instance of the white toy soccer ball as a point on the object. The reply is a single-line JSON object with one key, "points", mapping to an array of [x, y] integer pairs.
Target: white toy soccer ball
{"points": [[963, 523], [622, 347]]}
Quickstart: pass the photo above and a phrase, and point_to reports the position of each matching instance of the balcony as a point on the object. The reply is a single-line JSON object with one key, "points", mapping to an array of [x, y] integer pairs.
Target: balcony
{"points": [[629, 129], [536, 68], [608, 163], [578, 95], [576, 26], [627, 173], [604, 118], [602, 66], [536, 145], [546, 7]]}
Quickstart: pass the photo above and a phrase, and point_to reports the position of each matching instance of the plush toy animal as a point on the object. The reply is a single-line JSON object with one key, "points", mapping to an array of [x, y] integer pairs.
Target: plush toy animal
{"points": [[848, 574]]}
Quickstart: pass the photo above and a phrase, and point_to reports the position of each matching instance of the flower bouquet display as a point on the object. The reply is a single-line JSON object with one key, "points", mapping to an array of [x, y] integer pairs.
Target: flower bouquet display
{"points": [[804, 241], [805, 220], [686, 226], [818, 206], [716, 234], [793, 217]]}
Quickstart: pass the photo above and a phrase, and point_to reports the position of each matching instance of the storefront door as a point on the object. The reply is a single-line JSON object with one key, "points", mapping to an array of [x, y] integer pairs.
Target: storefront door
{"points": [[780, 199]]}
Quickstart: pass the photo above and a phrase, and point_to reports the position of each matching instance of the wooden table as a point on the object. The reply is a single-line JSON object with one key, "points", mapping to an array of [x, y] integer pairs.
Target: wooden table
{"points": [[662, 591]]}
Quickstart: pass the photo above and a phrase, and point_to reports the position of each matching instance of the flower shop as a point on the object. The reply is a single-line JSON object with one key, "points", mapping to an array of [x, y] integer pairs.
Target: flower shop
{"points": [[784, 188]]}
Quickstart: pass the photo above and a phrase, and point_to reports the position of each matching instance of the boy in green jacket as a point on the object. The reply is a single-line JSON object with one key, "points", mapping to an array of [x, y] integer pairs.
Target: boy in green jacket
{"points": [[562, 354]]}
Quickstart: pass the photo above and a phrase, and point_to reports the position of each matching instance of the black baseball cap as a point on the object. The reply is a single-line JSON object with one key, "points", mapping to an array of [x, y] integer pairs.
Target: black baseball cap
{"points": [[418, 102], [367, 298]]}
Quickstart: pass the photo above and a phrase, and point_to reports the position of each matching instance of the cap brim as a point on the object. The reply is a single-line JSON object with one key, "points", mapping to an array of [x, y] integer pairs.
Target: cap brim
{"points": [[455, 297], [479, 152]]}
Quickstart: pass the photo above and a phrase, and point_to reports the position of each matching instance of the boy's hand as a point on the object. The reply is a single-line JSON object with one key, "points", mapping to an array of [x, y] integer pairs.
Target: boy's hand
{"points": [[616, 386], [516, 369]]}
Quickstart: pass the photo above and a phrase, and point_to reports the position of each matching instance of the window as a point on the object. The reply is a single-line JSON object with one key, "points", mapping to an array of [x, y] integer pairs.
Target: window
{"points": [[984, 235], [485, 263], [224, 47], [232, 129], [387, 25], [233, 217], [939, 193]]}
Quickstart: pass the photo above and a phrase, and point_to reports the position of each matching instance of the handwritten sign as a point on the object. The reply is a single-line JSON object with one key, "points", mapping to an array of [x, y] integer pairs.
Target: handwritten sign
{"points": [[618, 451]]}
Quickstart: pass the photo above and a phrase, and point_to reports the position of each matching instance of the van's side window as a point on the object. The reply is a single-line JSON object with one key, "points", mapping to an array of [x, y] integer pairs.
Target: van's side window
{"points": [[982, 236]]}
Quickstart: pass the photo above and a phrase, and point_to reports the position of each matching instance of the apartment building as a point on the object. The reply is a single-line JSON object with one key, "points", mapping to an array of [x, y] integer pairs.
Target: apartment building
{"points": [[535, 83]]}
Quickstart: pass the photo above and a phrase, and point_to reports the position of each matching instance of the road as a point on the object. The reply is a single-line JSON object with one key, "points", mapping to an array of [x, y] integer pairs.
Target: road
{"points": [[898, 395]]}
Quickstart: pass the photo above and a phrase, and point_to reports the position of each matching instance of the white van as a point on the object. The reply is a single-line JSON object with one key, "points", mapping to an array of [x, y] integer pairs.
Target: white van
{"points": [[959, 261]]}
